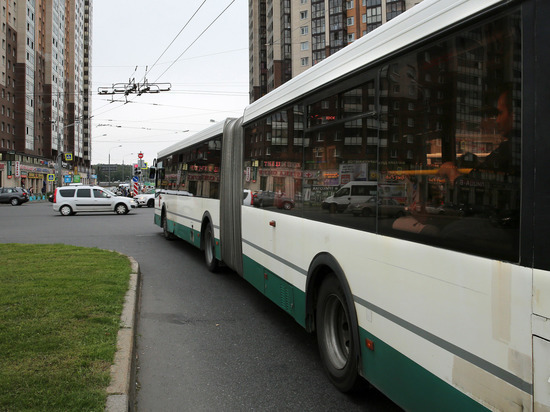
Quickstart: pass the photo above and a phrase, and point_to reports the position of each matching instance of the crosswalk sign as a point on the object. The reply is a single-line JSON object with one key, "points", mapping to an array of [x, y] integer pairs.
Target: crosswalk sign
{"points": [[51, 177]]}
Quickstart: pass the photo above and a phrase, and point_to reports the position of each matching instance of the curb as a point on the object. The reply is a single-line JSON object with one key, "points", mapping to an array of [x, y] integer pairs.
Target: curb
{"points": [[120, 391]]}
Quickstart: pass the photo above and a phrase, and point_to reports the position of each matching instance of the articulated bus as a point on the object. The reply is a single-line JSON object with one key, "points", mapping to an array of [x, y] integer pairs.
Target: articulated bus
{"points": [[431, 279]]}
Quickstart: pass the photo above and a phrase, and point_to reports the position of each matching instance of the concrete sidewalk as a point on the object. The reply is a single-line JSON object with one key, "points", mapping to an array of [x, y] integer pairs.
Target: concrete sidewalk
{"points": [[121, 391]]}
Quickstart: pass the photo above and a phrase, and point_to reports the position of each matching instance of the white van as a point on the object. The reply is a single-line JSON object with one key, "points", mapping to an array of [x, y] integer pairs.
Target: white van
{"points": [[68, 200], [352, 192]]}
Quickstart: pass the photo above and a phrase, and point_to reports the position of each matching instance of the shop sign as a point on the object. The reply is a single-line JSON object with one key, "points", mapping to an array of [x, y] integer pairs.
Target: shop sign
{"points": [[204, 178], [17, 169], [281, 173], [31, 175]]}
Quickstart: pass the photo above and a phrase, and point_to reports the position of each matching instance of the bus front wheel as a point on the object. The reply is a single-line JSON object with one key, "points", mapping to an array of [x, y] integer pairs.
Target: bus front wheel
{"points": [[210, 249], [335, 337]]}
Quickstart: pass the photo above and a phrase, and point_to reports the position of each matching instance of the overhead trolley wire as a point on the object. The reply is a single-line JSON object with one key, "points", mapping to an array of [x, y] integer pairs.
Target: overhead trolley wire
{"points": [[194, 41]]}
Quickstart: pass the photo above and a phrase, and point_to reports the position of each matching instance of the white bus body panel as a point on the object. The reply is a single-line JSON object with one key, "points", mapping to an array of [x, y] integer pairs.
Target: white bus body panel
{"points": [[215, 129], [188, 211], [455, 312]]}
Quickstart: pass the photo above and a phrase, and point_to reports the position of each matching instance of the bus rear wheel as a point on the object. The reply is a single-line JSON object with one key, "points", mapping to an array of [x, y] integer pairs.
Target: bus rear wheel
{"points": [[335, 335], [210, 249]]}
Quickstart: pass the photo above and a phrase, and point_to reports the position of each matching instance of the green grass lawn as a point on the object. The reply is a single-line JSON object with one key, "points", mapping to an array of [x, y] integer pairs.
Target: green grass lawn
{"points": [[59, 317]]}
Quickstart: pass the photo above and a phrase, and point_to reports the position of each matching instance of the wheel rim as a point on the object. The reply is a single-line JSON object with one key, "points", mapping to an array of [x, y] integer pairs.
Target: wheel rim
{"points": [[337, 332], [65, 210], [121, 209], [14, 202]]}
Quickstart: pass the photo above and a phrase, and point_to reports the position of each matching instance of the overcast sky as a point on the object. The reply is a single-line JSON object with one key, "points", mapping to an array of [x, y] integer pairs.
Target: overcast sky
{"points": [[208, 73]]}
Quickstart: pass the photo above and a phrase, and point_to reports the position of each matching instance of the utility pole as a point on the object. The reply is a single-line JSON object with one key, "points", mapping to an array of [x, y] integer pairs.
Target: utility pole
{"points": [[59, 165], [60, 131]]}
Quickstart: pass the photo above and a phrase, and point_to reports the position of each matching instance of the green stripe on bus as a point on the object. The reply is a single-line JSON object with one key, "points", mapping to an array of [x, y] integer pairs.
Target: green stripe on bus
{"points": [[190, 235], [407, 383], [278, 290]]}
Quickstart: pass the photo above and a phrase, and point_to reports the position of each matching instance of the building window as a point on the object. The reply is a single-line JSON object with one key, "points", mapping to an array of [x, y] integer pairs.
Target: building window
{"points": [[304, 45], [394, 8], [304, 30], [303, 15], [349, 21], [305, 61]]}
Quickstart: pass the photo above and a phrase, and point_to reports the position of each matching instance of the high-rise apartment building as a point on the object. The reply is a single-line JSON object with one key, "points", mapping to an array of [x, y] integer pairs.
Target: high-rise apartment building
{"points": [[286, 37], [44, 92]]}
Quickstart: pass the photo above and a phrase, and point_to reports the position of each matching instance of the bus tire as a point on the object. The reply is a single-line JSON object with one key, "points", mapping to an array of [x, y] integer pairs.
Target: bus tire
{"points": [[167, 234], [337, 347], [210, 249]]}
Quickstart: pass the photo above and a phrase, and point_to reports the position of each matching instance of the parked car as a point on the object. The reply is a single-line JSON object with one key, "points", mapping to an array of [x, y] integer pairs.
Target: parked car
{"points": [[445, 209], [248, 197], [146, 199], [14, 195], [68, 200], [350, 193], [268, 198], [386, 207]]}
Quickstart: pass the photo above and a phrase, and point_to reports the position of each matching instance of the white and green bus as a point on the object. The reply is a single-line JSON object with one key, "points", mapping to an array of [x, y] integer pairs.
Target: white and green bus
{"points": [[435, 284]]}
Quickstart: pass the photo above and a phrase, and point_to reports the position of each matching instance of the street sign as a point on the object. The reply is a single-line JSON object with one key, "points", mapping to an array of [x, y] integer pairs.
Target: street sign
{"points": [[140, 155], [51, 177], [135, 179], [67, 178], [68, 157]]}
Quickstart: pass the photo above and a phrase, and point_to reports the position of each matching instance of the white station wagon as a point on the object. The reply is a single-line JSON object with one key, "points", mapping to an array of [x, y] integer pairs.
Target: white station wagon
{"points": [[68, 200]]}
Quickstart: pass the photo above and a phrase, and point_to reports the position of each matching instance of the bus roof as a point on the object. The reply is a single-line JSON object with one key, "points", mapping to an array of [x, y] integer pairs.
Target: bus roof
{"points": [[428, 17], [198, 137]]}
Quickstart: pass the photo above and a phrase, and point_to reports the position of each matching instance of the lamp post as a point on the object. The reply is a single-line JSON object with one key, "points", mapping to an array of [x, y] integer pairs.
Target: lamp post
{"points": [[59, 130], [128, 154], [109, 185]]}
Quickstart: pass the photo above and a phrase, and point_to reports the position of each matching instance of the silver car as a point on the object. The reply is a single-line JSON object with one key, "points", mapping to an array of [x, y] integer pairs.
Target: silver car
{"points": [[69, 200]]}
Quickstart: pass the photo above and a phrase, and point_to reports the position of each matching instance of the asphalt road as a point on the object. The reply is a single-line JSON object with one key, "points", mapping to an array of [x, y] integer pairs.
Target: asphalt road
{"points": [[206, 342]]}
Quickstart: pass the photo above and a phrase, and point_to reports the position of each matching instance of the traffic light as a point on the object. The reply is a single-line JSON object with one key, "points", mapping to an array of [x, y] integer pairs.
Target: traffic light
{"points": [[136, 170]]}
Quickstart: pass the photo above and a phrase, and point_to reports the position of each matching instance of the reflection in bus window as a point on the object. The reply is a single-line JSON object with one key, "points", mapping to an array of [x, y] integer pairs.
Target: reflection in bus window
{"points": [[432, 134], [194, 170], [273, 161], [453, 140]]}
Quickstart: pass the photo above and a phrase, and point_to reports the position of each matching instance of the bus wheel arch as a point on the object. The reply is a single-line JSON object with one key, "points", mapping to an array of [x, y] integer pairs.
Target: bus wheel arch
{"points": [[208, 243], [331, 313]]}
